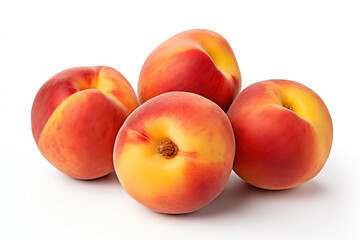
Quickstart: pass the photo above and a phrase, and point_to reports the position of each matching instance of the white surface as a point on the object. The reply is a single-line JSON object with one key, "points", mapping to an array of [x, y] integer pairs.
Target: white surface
{"points": [[313, 42]]}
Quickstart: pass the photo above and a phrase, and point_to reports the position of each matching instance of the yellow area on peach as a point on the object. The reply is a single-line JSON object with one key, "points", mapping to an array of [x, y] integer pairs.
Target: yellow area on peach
{"points": [[222, 56], [114, 85], [150, 174], [213, 44], [142, 169], [308, 105], [192, 140]]}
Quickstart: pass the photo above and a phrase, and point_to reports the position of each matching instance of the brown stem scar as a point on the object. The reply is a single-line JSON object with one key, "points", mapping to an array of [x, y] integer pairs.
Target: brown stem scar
{"points": [[167, 149], [288, 106]]}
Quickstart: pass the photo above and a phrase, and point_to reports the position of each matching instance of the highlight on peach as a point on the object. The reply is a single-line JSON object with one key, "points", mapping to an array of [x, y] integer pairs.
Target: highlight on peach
{"points": [[283, 134], [75, 118]]}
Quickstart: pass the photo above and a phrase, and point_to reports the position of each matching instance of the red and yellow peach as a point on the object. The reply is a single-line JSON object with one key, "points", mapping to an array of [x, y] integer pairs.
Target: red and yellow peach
{"points": [[198, 61], [75, 118], [174, 154], [283, 134]]}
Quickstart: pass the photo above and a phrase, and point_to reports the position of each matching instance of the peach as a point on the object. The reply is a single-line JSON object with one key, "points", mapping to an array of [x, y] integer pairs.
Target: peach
{"points": [[283, 134], [198, 61], [174, 154], [75, 118]]}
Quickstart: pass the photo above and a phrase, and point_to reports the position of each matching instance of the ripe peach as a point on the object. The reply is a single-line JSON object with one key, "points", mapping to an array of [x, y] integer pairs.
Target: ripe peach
{"points": [[75, 118], [198, 61], [174, 154], [283, 132]]}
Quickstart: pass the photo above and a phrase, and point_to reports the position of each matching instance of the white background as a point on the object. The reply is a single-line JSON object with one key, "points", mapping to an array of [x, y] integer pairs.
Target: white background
{"points": [[313, 42]]}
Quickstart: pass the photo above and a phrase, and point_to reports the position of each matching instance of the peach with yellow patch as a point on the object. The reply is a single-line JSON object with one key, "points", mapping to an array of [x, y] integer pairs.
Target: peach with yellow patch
{"points": [[174, 154], [198, 61], [75, 118], [283, 132]]}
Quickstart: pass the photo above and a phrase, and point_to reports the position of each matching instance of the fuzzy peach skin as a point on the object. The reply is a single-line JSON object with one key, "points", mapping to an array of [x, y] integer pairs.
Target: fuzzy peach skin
{"points": [[283, 133], [198, 61], [76, 116], [174, 154]]}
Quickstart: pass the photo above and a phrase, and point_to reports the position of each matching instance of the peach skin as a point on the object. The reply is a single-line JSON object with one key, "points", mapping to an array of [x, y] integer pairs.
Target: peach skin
{"points": [[75, 118], [198, 61], [283, 132], [174, 154]]}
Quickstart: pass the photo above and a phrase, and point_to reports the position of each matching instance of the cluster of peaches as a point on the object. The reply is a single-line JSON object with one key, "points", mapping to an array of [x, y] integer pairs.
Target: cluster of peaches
{"points": [[175, 152]]}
